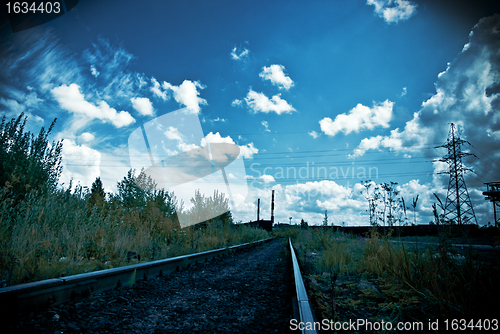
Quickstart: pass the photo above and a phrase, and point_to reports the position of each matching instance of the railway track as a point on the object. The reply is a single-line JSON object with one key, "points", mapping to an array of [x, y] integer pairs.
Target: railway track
{"points": [[247, 288]]}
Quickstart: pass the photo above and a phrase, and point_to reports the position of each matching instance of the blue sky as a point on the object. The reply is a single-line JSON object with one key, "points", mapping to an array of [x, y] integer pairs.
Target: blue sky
{"points": [[349, 90]]}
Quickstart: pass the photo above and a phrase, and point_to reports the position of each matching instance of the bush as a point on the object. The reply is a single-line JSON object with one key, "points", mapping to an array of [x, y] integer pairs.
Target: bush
{"points": [[28, 164]]}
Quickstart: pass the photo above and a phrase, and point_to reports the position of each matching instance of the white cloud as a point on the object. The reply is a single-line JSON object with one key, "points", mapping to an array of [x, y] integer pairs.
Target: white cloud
{"points": [[80, 162], [267, 178], [187, 147], [142, 105], [309, 201], [260, 102], [368, 144], [359, 118], [187, 94], [156, 89], [216, 138], [87, 137], [94, 71], [393, 11], [246, 151], [266, 126], [236, 103], [240, 54], [173, 134], [412, 138], [275, 74], [319, 196], [314, 134], [70, 98], [425, 192], [403, 93]]}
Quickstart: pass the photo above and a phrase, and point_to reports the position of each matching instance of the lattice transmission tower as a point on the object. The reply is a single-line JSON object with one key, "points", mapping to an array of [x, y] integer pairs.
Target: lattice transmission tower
{"points": [[458, 207]]}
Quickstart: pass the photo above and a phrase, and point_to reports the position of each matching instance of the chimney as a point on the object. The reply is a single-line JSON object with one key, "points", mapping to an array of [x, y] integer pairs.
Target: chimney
{"points": [[272, 209], [258, 208]]}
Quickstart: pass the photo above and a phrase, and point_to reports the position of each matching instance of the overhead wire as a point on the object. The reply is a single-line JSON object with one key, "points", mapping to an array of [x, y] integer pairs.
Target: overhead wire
{"points": [[295, 159]]}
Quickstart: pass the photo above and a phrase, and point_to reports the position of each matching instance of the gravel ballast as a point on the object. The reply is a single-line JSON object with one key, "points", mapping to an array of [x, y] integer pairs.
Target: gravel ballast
{"points": [[247, 292]]}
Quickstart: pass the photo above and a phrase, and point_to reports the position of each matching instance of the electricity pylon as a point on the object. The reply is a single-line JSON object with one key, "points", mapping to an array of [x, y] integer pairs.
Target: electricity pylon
{"points": [[458, 207]]}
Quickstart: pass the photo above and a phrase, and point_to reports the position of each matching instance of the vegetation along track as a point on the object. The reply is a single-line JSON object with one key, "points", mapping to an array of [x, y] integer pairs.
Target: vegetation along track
{"points": [[246, 292]]}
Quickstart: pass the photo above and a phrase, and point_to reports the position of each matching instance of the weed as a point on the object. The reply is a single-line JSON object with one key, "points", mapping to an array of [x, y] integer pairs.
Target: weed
{"points": [[405, 280], [58, 235]]}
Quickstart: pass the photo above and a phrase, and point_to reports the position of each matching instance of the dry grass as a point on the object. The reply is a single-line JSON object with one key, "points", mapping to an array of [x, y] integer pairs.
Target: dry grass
{"points": [[448, 283], [57, 235]]}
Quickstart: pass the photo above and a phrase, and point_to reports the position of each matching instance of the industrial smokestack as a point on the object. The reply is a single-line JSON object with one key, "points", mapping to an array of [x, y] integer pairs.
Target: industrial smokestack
{"points": [[272, 209], [258, 208]]}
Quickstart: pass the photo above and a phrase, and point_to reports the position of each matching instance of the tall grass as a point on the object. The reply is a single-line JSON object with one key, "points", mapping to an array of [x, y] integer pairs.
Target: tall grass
{"points": [[58, 234], [451, 284]]}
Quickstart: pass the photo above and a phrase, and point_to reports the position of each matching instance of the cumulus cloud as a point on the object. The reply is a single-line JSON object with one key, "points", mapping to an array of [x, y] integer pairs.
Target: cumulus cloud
{"points": [[247, 151], [259, 102], [142, 105], [87, 137], [43, 67], [393, 11], [319, 196], [240, 54], [174, 134], [80, 163], [156, 89], [267, 178], [467, 94], [359, 118], [347, 204], [366, 144], [187, 94], [275, 73], [216, 138], [412, 138], [71, 99]]}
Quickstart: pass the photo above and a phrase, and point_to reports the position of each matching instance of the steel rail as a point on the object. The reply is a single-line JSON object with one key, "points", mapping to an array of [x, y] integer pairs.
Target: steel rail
{"points": [[305, 312], [29, 296]]}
